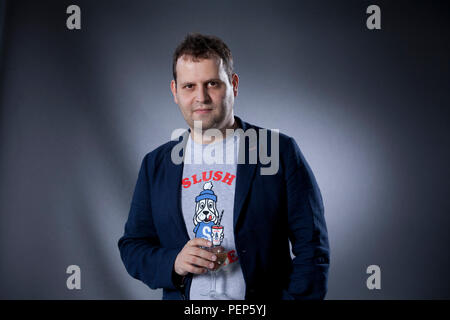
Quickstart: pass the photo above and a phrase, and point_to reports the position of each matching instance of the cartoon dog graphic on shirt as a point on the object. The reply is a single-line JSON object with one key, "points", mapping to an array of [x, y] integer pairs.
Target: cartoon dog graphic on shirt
{"points": [[206, 213]]}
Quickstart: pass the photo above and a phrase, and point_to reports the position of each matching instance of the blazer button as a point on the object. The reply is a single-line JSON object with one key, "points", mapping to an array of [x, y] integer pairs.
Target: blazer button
{"points": [[243, 251]]}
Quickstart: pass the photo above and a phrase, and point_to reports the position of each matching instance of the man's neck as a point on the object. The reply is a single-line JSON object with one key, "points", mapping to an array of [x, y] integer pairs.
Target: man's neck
{"points": [[202, 138]]}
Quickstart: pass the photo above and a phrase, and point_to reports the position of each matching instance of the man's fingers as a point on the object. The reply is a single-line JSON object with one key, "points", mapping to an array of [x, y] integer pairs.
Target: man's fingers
{"points": [[195, 259], [196, 270], [199, 242], [202, 253], [200, 262]]}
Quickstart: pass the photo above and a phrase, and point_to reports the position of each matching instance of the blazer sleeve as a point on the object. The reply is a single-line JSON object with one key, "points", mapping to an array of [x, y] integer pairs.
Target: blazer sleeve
{"points": [[140, 249], [307, 230]]}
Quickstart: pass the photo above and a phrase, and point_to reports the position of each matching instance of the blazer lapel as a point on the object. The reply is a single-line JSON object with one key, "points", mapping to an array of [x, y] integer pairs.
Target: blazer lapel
{"points": [[244, 175], [174, 187]]}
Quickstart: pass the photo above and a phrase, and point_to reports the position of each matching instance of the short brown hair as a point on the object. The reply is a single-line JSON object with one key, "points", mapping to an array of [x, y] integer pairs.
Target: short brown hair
{"points": [[201, 46]]}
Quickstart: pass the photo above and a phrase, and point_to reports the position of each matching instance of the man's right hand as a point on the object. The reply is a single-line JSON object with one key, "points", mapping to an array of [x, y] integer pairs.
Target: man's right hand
{"points": [[194, 259]]}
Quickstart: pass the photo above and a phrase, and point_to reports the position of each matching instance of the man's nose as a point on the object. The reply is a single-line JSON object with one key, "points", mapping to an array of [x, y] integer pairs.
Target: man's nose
{"points": [[202, 95]]}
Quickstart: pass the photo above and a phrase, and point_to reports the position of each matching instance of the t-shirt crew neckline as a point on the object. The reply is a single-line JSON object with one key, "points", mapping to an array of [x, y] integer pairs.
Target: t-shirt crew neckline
{"points": [[228, 138]]}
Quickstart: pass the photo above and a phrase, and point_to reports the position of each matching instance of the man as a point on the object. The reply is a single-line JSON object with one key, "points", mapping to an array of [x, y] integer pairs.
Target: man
{"points": [[179, 210]]}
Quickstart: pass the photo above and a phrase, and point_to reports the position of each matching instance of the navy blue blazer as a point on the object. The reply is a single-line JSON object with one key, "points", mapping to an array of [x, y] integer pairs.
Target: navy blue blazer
{"points": [[269, 210]]}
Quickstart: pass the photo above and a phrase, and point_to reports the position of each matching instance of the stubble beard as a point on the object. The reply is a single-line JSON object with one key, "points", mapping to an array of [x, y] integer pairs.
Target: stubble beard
{"points": [[208, 121]]}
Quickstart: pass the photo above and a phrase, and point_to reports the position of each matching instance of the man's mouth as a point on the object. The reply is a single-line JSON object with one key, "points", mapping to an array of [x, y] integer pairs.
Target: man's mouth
{"points": [[202, 111]]}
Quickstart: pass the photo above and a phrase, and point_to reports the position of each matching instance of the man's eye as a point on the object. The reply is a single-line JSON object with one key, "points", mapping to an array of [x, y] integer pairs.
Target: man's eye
{"points": [[188, 86], [213, 84]]}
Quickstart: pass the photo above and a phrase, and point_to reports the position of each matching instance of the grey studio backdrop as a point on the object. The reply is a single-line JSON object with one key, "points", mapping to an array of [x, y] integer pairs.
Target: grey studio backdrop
{"points": [[81, 108]]}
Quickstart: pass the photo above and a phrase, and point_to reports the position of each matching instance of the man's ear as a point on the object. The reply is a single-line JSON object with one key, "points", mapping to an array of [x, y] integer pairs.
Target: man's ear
{"points": [[173, 88], [235, 83]]}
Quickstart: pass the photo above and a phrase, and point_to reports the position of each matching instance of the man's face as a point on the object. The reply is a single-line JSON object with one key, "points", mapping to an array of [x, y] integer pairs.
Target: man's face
{"points": [[204, 93]]}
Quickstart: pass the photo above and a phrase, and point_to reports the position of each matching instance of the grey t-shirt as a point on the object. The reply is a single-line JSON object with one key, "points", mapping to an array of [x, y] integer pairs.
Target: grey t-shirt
{"points": [[208, 186]]}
